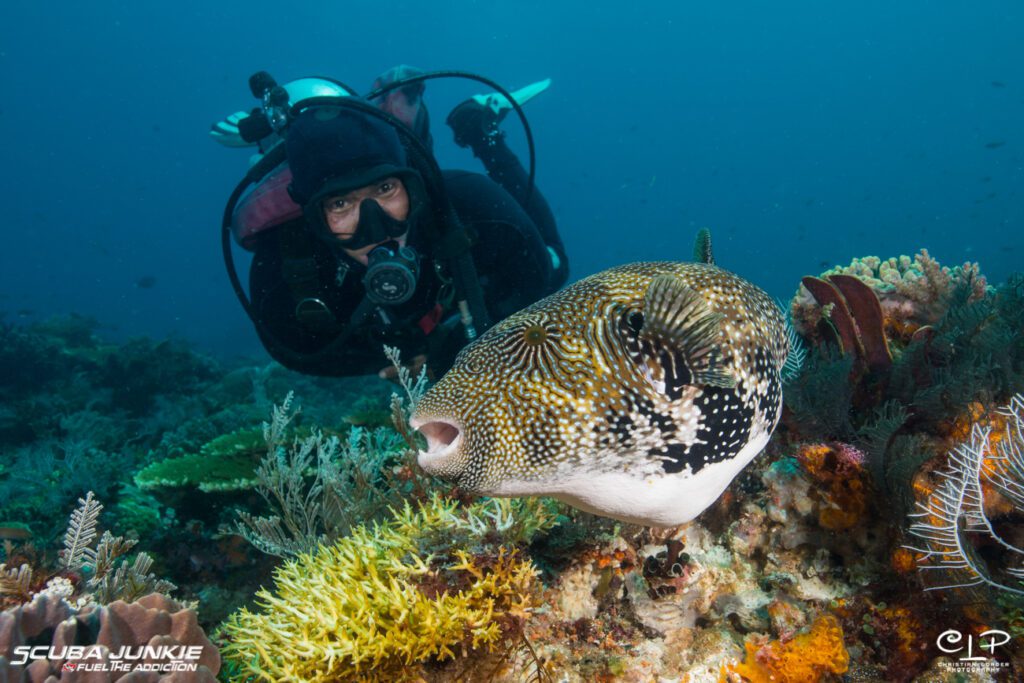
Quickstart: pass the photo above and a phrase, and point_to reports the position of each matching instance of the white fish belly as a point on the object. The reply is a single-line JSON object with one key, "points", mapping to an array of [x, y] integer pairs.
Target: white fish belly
{"points": [[654, 500]]}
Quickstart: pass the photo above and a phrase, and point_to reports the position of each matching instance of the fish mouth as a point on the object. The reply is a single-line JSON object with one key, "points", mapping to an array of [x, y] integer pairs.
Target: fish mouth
{"points": [[444, 439]]}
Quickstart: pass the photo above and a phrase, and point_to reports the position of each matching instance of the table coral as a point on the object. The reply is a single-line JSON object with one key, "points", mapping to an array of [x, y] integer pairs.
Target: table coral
{"points": [[227, 463]]}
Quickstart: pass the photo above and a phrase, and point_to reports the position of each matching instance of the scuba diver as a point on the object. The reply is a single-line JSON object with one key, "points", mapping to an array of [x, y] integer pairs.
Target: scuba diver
{"points": [[361, 241]]}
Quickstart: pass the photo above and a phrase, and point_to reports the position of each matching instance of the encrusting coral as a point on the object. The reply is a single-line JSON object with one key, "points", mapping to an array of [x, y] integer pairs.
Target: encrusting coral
{"points": [[839, 469], [382, 600]]}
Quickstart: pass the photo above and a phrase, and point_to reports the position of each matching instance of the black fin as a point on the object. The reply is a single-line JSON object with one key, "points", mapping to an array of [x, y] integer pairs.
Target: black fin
{"points": [[702, 247], [678, 338]]}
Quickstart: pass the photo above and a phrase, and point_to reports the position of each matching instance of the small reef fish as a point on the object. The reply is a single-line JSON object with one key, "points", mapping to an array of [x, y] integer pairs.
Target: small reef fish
{"points": [[637, 393]]}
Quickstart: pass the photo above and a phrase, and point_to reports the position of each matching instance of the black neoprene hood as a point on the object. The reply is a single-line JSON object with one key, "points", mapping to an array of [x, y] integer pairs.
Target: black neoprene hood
{"points": [[333, 150]]}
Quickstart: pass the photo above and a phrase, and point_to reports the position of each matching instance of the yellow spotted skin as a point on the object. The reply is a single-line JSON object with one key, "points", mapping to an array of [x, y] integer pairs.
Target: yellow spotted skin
{"points": [[563, 397]]}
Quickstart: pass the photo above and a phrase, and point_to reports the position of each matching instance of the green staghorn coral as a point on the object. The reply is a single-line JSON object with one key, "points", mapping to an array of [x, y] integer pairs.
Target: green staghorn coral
{"points": [[385, 599]]}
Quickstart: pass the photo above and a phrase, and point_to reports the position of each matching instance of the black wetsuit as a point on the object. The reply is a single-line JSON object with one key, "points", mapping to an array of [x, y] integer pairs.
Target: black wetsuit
{"points": [[510, 253]]}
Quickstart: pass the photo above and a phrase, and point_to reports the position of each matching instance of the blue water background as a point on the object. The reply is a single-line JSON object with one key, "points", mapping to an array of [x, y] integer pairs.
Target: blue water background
{"points": [[802, 133]]}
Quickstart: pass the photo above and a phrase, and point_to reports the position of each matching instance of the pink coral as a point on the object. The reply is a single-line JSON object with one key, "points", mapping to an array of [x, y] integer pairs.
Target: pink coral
{"points": [[849, 457]]}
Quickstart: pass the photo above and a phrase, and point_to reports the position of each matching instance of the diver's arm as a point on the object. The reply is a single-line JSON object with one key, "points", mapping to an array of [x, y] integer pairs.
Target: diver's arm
{"points": [[510, 256], [476, 127], [516, 265], [292, 343]]}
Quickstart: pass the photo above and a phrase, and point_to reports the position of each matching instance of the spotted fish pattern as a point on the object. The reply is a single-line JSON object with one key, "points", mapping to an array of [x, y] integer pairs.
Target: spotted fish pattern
{"points": [[637, 393]]}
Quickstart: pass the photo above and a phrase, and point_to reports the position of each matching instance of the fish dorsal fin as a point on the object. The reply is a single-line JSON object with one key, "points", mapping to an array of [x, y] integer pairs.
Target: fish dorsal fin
{"points": [[702, 247], [677, 342]]}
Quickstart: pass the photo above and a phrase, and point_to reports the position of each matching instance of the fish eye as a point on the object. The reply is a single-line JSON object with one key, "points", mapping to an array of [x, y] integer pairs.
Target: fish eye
{"points": [[535, 335]]}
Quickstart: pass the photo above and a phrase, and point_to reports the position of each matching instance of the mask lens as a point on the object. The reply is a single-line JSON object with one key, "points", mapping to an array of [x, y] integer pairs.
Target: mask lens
{"points": [[375, 225]]}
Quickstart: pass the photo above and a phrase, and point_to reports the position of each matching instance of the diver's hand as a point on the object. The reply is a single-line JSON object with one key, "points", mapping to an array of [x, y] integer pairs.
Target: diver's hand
{"points": [[390, 373], [474, 124], [475, 121]]}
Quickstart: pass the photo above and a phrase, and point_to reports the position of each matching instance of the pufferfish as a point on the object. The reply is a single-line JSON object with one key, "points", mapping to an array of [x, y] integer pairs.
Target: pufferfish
{"points": [[637, 393]]}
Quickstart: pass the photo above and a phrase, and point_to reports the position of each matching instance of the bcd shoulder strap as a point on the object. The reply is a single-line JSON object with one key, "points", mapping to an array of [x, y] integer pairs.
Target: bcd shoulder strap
{"points": [[299, 270]]}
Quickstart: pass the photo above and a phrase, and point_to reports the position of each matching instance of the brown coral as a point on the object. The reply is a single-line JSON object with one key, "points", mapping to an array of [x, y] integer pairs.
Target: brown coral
{"points": [[855, 314], [153, 621]]}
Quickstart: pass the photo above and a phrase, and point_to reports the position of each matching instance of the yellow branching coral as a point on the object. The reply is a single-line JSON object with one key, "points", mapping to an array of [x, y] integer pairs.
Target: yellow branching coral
{"points": [[377, 601]]}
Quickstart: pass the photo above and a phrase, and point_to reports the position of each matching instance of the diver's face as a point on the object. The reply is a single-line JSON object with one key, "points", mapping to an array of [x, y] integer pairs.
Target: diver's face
{"points": [[341, 211]]}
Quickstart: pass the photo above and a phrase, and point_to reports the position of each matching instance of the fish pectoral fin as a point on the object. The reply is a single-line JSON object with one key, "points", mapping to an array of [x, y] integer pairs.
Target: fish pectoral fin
{"points": [[678, 338]]}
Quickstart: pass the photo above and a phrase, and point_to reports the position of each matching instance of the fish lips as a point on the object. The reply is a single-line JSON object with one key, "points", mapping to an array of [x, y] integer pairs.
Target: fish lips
{"points": [[444, 446]]}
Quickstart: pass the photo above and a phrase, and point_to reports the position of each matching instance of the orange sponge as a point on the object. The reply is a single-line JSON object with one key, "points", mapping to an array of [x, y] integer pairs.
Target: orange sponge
{"points": [[804, 659]]}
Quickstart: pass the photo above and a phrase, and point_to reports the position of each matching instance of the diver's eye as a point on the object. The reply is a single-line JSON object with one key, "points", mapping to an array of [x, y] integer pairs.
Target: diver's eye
{"points": [[387, 187], [337, 206]]}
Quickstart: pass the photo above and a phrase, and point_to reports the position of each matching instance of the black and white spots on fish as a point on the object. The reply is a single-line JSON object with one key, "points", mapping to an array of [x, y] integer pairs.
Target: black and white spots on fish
{"points": [[768, 386], [723, 429]]}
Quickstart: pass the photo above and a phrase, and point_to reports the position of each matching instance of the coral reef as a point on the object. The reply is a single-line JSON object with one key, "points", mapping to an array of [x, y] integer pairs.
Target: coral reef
{"points": [[89, 569], [803, 570], [961, 508]]}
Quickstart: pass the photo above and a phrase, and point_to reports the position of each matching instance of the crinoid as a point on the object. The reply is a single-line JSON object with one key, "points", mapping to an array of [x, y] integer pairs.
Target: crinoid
{"points": [[953, 522]]}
